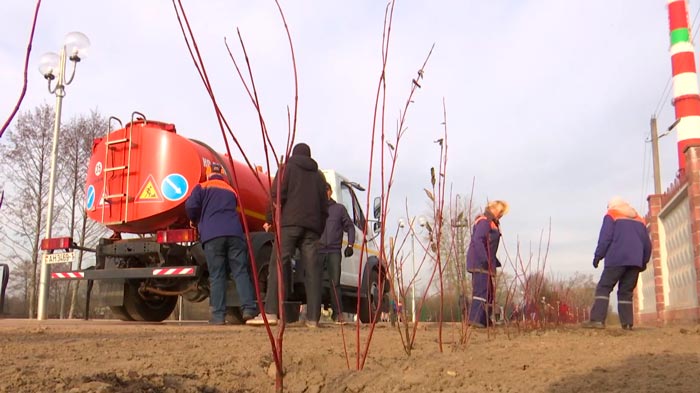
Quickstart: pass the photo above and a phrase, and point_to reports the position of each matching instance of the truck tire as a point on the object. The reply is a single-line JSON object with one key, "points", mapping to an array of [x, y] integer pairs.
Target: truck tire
{"points": [[120, 312], [262, 261], [370, 302], [151, 309]]}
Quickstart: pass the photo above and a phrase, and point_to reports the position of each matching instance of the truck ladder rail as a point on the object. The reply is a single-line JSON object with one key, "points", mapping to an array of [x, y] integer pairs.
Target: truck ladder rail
{"points": [[116, 168], [113, 196], [107, 224], [117, 141], [109, 145]]}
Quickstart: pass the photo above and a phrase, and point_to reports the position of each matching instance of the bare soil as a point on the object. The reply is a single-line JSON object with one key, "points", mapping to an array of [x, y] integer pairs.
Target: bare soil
{"points": [[110, 356]]}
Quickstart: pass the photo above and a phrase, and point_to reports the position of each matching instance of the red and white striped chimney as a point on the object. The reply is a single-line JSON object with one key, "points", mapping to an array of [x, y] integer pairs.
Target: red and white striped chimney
{"points": [[686, 96]]}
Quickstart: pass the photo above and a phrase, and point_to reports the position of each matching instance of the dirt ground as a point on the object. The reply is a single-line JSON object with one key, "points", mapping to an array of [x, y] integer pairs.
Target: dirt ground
{"points": [[111, 356]]}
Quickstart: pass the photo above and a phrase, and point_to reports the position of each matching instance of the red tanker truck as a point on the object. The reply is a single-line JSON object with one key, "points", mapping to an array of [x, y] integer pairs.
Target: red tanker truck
{"points": [[139, 177]]}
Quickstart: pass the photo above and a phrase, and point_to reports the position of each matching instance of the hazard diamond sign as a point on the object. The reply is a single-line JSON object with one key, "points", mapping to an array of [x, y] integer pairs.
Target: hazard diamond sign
{"points": [[149, 191]]}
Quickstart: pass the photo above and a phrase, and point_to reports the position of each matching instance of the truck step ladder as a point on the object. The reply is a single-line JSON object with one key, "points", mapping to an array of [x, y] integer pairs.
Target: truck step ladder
{"points": [[118, 170]]}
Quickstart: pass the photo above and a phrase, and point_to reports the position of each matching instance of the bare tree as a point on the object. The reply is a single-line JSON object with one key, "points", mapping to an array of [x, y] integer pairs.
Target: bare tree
{"points": [[19, 286], [75, 151], [24, 158]]}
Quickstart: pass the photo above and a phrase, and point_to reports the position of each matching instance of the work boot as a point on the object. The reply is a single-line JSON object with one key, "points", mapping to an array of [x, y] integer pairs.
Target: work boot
{"points": [[627, 326], [593, 325]]}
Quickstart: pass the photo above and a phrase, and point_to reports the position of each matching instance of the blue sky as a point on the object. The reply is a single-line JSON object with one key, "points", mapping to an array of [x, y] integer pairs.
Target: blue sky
{"points": [[548, 101]]}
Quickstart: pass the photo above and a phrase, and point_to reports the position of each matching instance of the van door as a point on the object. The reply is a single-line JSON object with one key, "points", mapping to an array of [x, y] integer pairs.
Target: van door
{"points": [[350, 266]]}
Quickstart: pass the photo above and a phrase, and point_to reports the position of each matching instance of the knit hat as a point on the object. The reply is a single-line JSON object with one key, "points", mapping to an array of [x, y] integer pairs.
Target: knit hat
{"points": [[616, 201], [301, 149], [214, 169]]}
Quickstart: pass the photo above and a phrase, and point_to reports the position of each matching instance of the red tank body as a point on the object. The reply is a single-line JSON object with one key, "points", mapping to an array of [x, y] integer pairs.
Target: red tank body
{"points": [[140, 176]]}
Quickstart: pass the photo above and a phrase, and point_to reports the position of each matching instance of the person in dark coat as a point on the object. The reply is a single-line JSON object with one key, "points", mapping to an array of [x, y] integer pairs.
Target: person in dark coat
{"points": [[212, 208], [329, 256], [482, 262], [625, 246], [300, 190]]}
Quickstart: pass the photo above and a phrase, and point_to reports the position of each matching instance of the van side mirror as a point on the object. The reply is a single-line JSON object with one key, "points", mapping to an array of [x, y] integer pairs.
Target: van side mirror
{"points": [[377, 207]]}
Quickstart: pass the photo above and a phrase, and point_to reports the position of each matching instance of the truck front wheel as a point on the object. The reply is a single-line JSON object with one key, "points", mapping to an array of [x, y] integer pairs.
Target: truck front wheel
{"points": [[370, 302]]}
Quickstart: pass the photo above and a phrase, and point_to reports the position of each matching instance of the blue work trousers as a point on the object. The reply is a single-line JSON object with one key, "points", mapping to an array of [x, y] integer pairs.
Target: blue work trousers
{"points": [[482, 298], [331, 262], [229, 254], [626, 279]]}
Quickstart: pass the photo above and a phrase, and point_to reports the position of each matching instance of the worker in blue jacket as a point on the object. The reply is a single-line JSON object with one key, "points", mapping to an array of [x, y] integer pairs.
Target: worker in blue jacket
{"points": [[329, 257], [482, 262], [212, 207], [625, 245]]}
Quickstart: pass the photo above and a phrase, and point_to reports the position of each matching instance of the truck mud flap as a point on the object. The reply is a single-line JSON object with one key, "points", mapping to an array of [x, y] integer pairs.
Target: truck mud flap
{"points": [[198, 254]]}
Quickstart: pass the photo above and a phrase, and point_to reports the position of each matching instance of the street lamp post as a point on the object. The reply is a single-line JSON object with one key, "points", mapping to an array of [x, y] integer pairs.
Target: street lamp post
{"points": [[413, 287], [53, 67]]}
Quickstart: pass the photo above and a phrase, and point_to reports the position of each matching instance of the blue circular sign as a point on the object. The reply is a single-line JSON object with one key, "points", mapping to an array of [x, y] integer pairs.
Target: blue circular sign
{"points": [[90, 197], [174, 187]]}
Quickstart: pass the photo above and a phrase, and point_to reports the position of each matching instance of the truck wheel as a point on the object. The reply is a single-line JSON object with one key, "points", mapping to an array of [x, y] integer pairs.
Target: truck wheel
{"points": [[370, 302], [120, 312], [262, 261], [153, 308]]}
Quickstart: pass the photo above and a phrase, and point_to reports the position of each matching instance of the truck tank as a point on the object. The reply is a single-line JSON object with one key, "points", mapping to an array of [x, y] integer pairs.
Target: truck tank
{"points": [[140, 176]]}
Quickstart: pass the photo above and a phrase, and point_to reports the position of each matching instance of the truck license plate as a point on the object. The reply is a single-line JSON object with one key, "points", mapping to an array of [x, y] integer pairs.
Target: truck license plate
{"points": [[59, 257]]}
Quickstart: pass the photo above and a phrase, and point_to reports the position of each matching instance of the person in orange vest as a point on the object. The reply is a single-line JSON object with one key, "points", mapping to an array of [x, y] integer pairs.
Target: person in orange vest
{"points": [[482, 262], [625, 245], [212, 208]]}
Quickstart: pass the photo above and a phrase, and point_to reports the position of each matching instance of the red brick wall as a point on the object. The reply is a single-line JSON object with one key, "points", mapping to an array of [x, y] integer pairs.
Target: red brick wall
{"points": [[692, 159], [656, 204], [688, 314], [654, 209], [646, 319]]}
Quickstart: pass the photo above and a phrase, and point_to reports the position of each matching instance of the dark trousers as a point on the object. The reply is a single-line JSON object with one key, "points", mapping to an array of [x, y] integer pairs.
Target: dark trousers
{"points": [[626, 279], [229, 254], [482, 298], [291, 238], [331, 262]]}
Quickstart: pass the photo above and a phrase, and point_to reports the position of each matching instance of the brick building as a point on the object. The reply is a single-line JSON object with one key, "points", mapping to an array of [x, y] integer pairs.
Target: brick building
{"points": [[669, 290]]}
